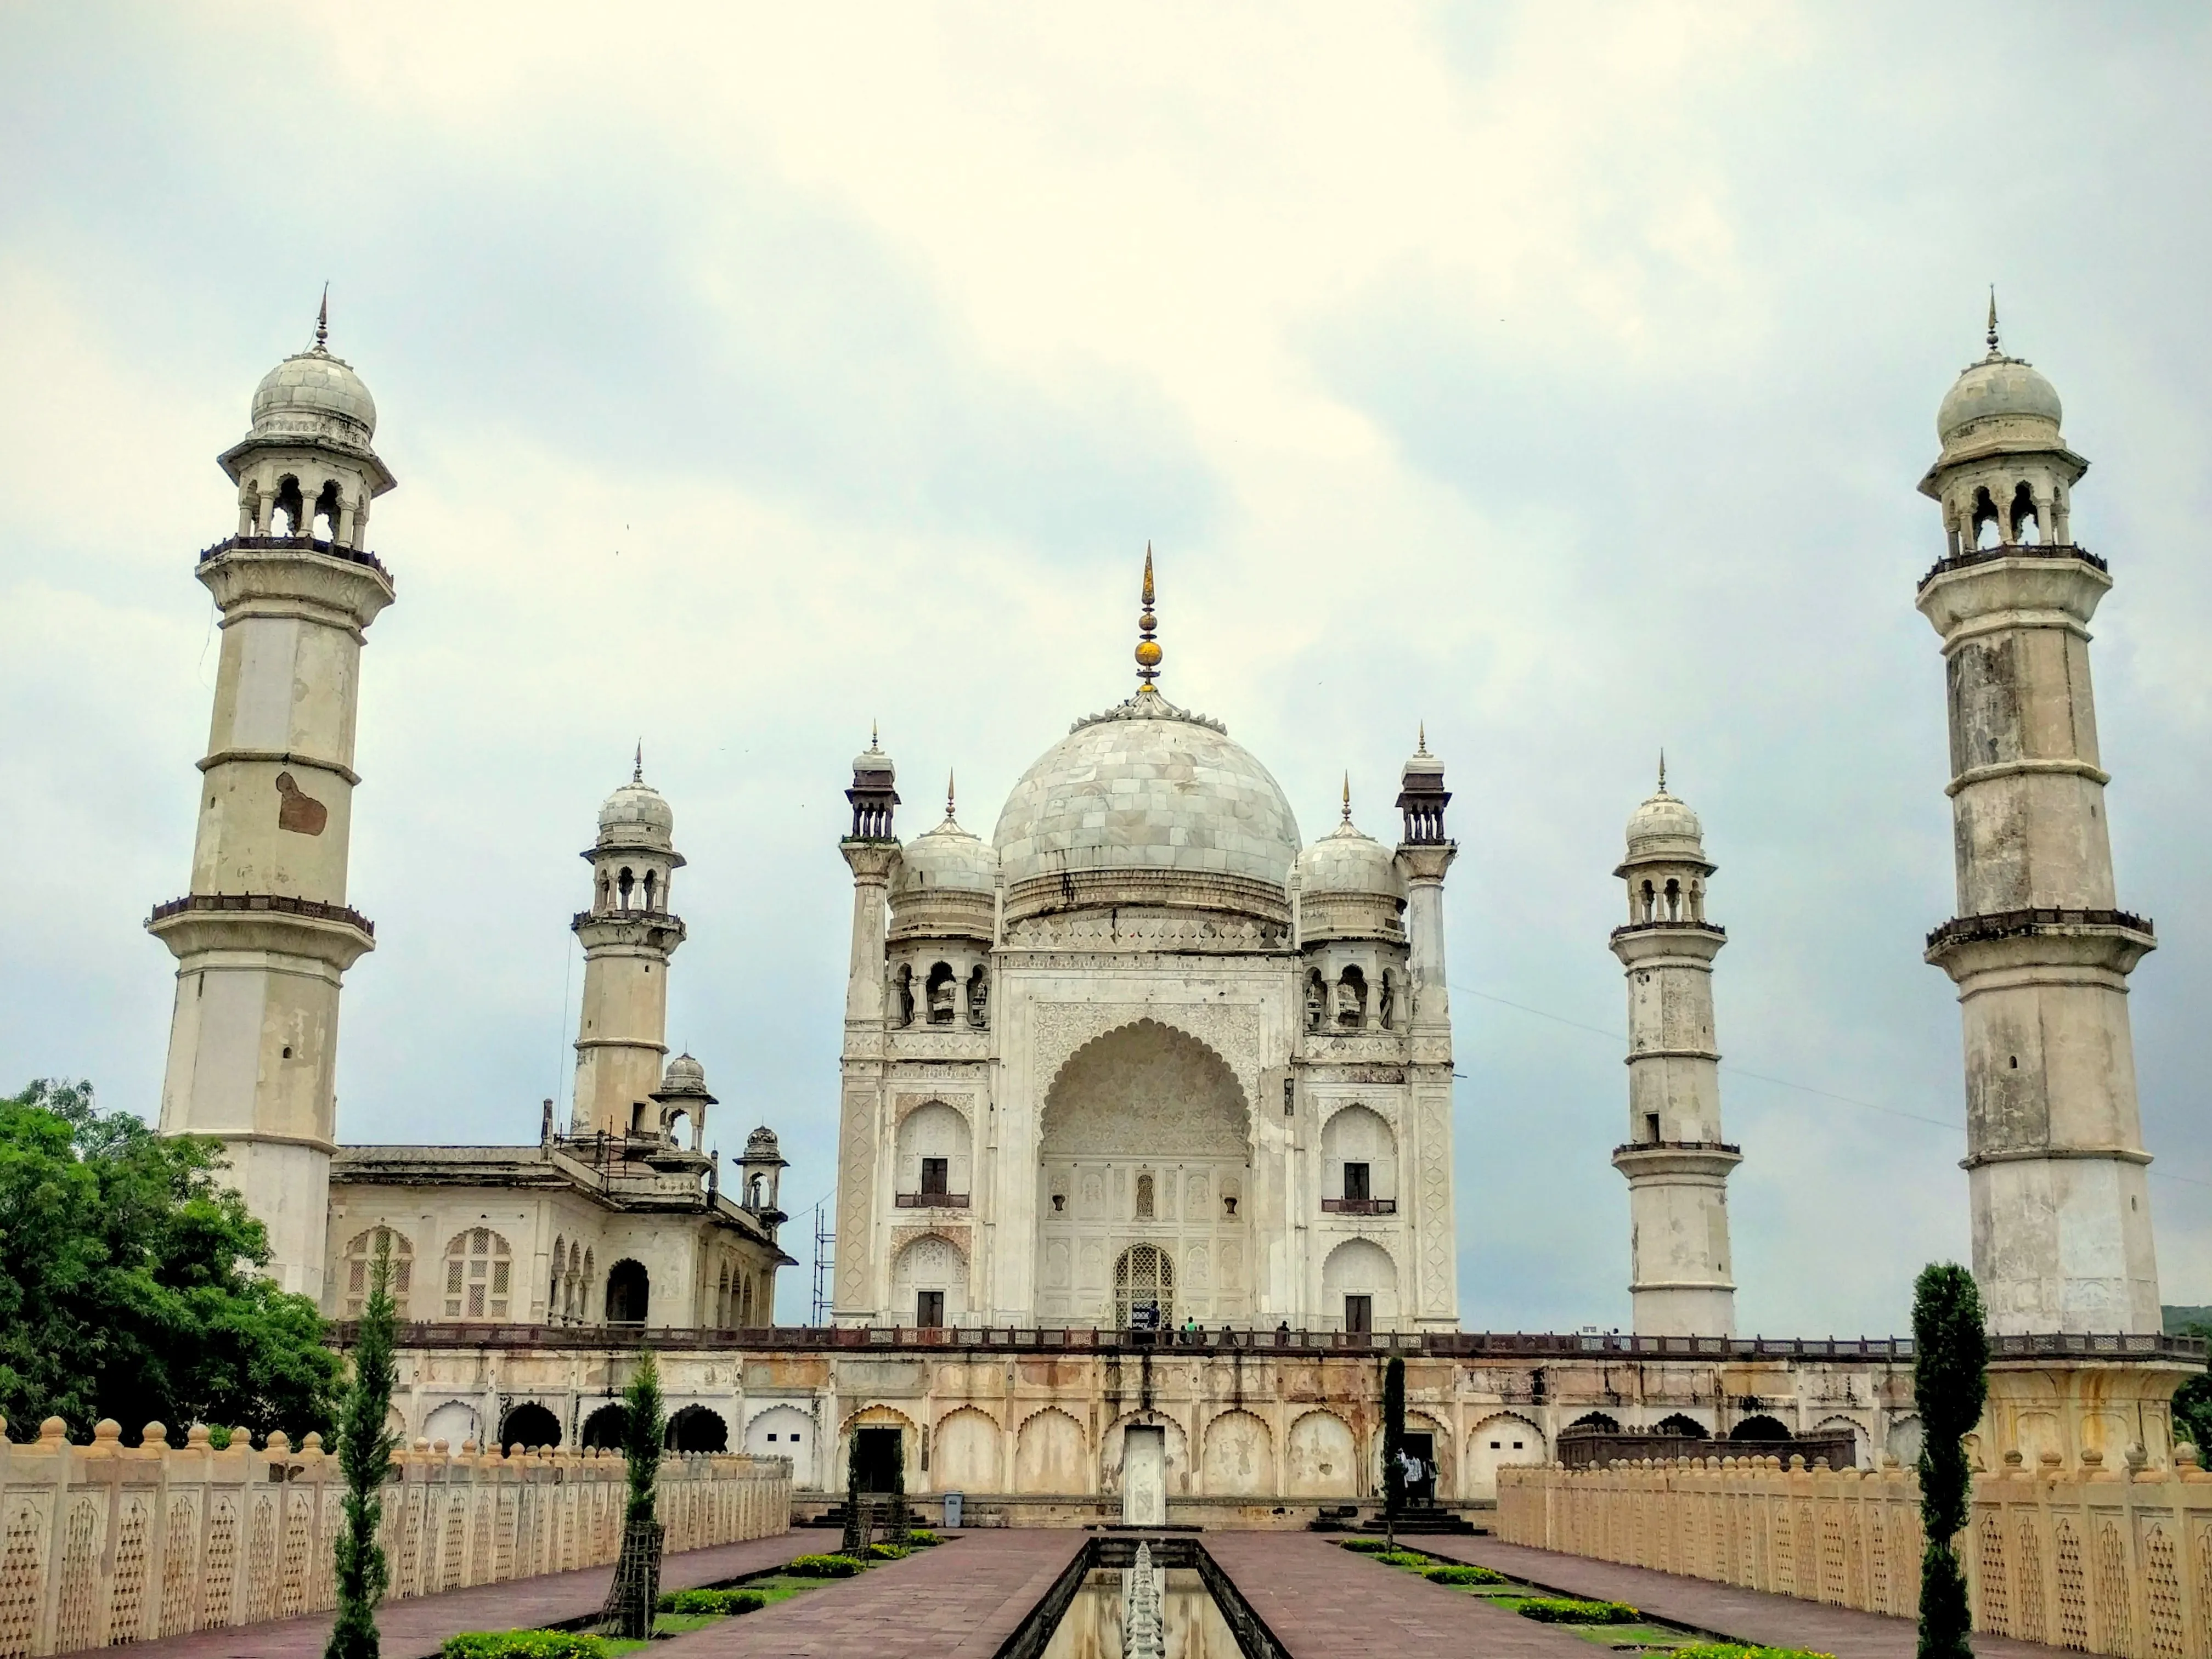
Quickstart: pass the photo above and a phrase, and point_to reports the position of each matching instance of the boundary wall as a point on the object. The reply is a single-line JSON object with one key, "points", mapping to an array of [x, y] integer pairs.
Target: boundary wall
{"points": [[104, 1544], [2113, 1560]]}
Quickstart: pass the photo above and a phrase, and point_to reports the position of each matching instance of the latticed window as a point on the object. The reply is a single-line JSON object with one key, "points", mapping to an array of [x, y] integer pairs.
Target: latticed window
{"points": [[477, 1270], [359, 1260], [1143, 1277]]}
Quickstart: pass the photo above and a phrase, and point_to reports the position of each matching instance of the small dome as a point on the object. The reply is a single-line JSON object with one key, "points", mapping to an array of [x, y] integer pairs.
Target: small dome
{"points": [[1996, 388], [872, 759], [1664, 826], [947, 859], [313, 394], [636, 815], [684, 1076], [761, 1146], [1347, 860]]}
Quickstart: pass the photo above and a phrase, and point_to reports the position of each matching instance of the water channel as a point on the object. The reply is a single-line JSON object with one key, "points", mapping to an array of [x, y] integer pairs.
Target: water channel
{"points": [[1095, 1624]]}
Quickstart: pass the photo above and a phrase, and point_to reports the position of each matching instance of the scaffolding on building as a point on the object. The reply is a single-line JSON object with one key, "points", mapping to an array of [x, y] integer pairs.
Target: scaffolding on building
{"points": [[825, 1246]]}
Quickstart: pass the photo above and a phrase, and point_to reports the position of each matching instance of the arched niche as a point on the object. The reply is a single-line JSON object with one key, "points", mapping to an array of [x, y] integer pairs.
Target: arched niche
{"points": [[1145, 1138]]}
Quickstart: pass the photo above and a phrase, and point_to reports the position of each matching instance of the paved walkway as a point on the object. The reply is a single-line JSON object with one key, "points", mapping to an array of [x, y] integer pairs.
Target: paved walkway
{"points": [[963, 1598], [1323, 1602], [1747, 1615], [419, 1626]]}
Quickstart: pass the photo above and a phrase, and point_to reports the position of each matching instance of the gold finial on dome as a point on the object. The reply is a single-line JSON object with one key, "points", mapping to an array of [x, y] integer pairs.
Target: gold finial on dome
{"points": [[948, 797], [1662, 771], [1148, 649], [1347, 797]]}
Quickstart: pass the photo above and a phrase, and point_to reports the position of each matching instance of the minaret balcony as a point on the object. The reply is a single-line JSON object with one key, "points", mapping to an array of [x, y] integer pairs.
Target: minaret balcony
{"points": [[2112, 940], [1647, 1158], [1675, 925], [1967, 560], [932, 1200], [293, 545], [263, 922]]}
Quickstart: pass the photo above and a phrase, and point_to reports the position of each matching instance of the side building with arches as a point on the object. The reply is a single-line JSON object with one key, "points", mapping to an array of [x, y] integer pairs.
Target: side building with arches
{"points": [[616, 1224]]}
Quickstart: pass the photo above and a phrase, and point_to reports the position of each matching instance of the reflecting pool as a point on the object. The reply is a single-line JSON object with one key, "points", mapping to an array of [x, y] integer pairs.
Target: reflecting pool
{"points": [[1190, 1622]]}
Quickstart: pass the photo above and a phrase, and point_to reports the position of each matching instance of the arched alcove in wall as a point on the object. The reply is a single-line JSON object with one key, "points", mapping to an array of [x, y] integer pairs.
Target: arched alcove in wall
{"points": [[697, 1429], [932, 1266], [1237, 1456], [530, 1424], [1359, 1267], [1495, 1444], [1144, 1111], [964, 1453]]}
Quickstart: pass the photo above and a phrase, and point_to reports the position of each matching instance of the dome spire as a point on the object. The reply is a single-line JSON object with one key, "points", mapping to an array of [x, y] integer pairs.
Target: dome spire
{"points": [[323, 321], [1994, 352], [948, 796], [1662, 771], [637, 763], [1421, 738], [1148, 648], [1347, 797]]}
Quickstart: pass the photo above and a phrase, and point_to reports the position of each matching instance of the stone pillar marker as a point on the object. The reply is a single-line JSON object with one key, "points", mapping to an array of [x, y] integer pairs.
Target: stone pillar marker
{"points": [[2040, 952], [871, 851], [1425, 854], [264, 934], [1680, 1276]]}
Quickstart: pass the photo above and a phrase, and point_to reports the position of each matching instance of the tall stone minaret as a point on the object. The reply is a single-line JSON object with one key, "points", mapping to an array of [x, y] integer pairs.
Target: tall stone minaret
{"points": [[1677, 1165], [2062, 1233], [1424, 853], [872, 850], [264, 934], [628, 936]]}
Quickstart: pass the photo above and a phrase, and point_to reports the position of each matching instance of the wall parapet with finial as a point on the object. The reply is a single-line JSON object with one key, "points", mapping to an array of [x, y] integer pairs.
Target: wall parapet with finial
{"points": [[2113, 1559], [103, 1543]]}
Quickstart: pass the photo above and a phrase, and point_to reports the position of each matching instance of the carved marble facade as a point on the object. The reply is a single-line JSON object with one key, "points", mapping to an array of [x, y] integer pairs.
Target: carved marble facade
{"points": [[1141, 1055]]}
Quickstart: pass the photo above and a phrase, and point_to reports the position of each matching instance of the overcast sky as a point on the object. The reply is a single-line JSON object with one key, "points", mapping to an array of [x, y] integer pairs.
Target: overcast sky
{"points": [[1559, 375]]}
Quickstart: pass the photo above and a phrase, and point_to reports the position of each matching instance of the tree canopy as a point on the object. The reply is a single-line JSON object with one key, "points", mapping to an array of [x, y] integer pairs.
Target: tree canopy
{"points": [[128, 1281]]}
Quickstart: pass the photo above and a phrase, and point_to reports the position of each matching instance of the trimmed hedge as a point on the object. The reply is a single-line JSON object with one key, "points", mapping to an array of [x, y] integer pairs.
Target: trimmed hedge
{"points": [[921, 1539], [888, 1552], [1547, 1610], [1457, 1575], [824, 1566], [524, 1645], [1731, 1650], [1370, 1547], [1411, 1559], [719, 1601]]}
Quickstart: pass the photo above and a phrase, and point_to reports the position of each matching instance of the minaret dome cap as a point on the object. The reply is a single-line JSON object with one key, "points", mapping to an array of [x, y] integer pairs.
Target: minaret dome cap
{"points": [[636, 813], [1664, 825], [2008, 390]]}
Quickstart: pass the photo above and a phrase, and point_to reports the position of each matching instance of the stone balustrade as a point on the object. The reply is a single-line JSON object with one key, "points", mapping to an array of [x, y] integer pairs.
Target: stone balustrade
{"points": [[104, 1543], [2112, 1560]]}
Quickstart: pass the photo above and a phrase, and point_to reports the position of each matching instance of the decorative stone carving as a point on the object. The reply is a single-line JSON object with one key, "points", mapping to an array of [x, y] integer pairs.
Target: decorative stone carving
{"points": [[1058, 1029]]}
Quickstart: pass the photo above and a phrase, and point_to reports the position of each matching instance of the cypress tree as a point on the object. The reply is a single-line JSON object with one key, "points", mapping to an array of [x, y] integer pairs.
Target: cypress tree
{"points": [[1950, 1383], [1394, 1445], [636, 1589], [365, 1449]]}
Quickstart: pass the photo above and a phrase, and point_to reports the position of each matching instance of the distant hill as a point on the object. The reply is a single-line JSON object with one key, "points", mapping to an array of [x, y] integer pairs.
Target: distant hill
{"points": [[2177, 1319]]}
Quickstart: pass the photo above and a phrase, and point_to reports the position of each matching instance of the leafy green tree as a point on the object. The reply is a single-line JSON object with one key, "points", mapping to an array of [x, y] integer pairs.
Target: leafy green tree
{"points": [[128, 1286], [2192, 1400], [366, 1443], [1394, 1445], [1950, 1384]]}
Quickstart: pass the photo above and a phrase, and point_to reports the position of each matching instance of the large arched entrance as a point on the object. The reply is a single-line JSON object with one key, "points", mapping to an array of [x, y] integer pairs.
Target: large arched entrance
{"points": [[1144, 1142]]}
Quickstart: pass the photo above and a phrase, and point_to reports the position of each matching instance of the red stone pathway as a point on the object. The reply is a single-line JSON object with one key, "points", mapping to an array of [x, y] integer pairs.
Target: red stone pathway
{"points": [[963, 1598], [1322, 1602], [1747, 1615], [419, 1626]]}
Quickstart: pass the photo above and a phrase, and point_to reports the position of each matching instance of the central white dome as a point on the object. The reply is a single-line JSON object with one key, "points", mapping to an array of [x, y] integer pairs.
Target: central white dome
{"points": [[1146, 805]]}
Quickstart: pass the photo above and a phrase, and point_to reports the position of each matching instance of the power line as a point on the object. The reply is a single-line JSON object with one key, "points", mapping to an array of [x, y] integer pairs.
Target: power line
{"points": [[1763, 1077]]}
